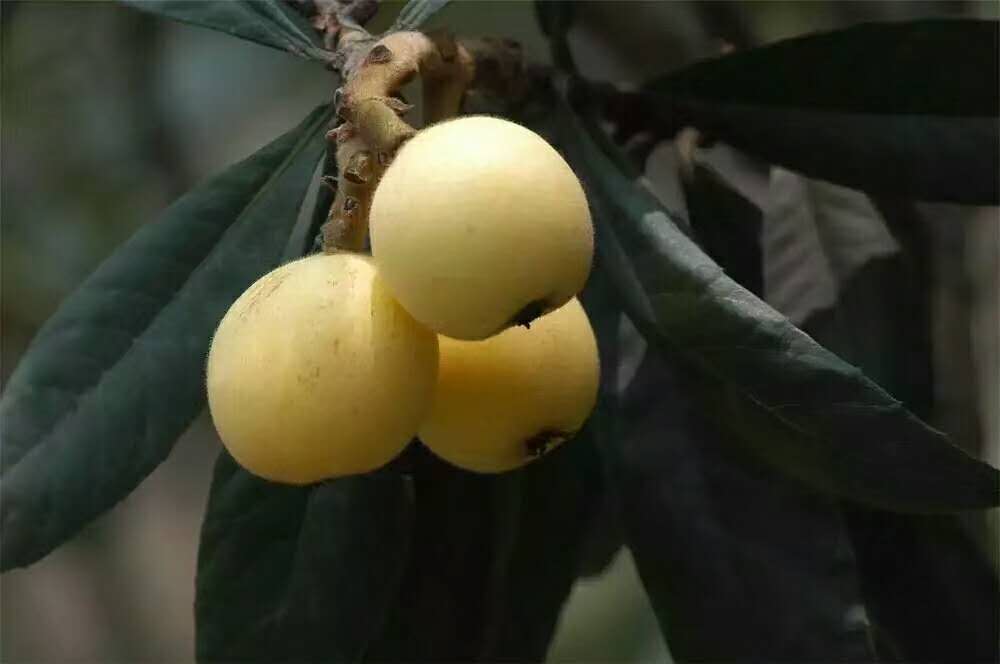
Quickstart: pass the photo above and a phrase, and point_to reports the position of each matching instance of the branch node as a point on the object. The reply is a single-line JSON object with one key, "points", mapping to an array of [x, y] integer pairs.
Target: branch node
{"points": [[369, 103], [380, 54]]}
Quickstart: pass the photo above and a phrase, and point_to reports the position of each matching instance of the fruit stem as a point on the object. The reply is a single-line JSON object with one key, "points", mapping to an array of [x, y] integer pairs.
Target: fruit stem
{"points": [[374, 69]]}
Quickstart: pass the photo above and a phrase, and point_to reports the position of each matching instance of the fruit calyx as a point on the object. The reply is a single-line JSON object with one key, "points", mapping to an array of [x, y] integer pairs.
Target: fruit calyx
{"points": [[544, 440], [529, 313]]}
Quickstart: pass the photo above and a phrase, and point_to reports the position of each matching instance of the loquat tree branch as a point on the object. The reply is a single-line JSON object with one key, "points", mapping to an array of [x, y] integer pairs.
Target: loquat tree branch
{"points": [[371, 109]]}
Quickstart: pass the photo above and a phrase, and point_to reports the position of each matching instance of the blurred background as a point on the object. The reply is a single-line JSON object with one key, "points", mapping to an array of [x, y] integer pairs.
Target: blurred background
{"points": [[108, 114]]}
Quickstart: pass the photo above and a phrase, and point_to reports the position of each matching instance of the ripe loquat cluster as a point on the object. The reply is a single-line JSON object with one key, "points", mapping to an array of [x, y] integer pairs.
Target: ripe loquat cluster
{"points": [[462, 327]]}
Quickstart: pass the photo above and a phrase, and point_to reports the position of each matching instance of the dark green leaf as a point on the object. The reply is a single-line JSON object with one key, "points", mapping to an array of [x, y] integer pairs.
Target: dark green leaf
{"points": [[439, 612], [930, 592], [269, 22], [903, 108], [554, 18], [701, 513], [922, 67], [739, 562], [605, 535], [808, 411], [492, 559], [727, 227], [302, 574], [116, 374], [892, 344], [556, 499], [417, 12]]}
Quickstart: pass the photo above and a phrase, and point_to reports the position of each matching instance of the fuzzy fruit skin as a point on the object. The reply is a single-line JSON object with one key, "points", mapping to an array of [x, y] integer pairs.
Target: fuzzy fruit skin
{"points": [[494, 396], [317, 372], [476, 219]]}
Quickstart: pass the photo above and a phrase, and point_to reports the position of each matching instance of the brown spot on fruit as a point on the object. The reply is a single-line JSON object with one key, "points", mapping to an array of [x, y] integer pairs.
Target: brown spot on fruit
{"points": [[260, 291]]}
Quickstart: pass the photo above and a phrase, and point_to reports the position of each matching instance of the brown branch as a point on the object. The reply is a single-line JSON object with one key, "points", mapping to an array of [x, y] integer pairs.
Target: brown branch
{"points": [[346, 223], [445, 67], [373, 127]]}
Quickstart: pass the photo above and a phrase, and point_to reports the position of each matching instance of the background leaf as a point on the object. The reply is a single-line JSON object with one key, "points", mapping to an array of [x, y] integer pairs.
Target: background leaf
{"points": [[700, 513], [302, 574], [810, 413], [116, 374], [269, 22], [878, 106], [928, 591], [554, 18], [439, 610], [727, 226], [605, 533], [492, 559], [740, 563], [816, 237], [931, 593], [556, 500], [417, 12]]}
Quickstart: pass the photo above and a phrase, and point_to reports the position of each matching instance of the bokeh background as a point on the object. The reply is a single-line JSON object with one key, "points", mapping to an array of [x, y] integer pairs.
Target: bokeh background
{"points": [[108, 114]]}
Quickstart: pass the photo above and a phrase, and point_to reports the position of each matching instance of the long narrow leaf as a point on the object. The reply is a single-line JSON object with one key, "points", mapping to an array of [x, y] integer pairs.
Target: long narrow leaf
{"points": [[727, 225], [740, 563], [556, 498], [492, 558], [905, 108], [269, 22], [298, 574], [931, 594], [439, 611], [117, 373], [699, 512], [417, 12], [817, 417]]}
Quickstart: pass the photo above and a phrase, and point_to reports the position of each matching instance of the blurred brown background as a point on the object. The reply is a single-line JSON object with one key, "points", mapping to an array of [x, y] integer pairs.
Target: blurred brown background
{"points": [[108, 114]]}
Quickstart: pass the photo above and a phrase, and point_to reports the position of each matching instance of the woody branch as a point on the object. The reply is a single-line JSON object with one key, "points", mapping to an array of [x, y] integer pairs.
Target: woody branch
{"points": [[371, 110]]}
